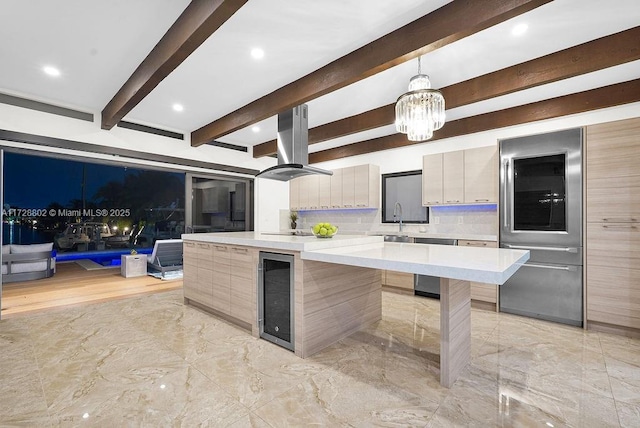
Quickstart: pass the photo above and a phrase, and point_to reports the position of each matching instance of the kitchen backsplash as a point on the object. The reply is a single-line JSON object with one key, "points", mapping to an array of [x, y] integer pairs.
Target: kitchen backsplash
{"points": [[469, 219]]}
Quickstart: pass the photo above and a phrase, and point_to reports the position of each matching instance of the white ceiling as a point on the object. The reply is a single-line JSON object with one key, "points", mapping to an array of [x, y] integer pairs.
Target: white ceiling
{"points": [[98, 44]]}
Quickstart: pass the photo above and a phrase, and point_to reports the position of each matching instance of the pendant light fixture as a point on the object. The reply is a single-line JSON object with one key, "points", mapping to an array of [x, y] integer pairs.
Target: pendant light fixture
{"points": [[420, 111]]}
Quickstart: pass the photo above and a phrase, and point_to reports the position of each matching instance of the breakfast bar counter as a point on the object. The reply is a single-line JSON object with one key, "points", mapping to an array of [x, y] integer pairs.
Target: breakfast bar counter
{"points": [[337, 284]]}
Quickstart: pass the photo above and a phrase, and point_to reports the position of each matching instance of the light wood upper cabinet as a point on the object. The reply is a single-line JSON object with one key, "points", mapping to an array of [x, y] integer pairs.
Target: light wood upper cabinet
{"points": [[366, 186], [303, 193], [612, 241], [453, 177], [336, 189], [432, 179], [324, 190], [463, 176], [351, 187], [348, 187], [294, 194], [481, 175], [311, 184], [613, 171]]}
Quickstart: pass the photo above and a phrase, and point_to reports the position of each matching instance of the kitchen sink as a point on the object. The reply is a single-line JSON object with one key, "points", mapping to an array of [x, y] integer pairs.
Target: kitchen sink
{"points": [[396, 238]]}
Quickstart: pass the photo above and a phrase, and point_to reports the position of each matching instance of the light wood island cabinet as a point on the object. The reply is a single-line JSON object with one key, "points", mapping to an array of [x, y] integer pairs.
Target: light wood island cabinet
{"points": [[222, 279], [197, 272], [612, 243]]}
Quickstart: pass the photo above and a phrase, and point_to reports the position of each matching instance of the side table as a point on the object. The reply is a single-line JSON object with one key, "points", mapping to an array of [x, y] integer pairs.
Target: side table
{"points": [[133, 265]]}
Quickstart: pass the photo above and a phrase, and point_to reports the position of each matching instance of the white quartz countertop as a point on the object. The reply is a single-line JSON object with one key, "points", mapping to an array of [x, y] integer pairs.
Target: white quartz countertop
{"points": [[459, 236], [490, 265], [282, 241]]}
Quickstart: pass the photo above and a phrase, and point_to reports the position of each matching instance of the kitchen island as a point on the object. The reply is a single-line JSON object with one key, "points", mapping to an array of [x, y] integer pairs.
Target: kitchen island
{"points": [[337, 284]]}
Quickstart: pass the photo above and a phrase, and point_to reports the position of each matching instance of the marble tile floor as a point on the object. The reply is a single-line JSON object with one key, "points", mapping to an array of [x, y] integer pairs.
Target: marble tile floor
{"points": [[151, 361]]}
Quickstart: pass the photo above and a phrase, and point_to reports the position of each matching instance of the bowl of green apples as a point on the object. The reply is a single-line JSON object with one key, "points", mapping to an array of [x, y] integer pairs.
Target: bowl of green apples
{"points": [[324, 230]]}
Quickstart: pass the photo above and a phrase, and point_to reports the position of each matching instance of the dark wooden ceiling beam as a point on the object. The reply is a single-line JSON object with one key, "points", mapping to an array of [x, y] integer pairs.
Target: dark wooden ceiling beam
{"points": [[198, 21], [608, 96], [443, 26], [596, 55]]}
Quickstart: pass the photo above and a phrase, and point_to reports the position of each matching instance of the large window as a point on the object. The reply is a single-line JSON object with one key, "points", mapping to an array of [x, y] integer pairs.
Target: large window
{"points": [[83, 206]]}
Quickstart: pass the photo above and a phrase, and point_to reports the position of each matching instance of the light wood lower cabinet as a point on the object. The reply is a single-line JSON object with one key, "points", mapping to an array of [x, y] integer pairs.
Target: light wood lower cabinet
{"points": [[480, 291], [243, 283], [222, 278], [613, 272], [398, 279], [198, 278]]}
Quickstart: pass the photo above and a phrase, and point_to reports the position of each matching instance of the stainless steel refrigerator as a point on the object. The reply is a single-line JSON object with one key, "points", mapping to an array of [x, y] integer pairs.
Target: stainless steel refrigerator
{"points": [[541, 211]]}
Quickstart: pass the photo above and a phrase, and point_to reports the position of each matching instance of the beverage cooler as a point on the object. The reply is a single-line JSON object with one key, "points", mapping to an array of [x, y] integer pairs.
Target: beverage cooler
{"points": [[276, 299]]}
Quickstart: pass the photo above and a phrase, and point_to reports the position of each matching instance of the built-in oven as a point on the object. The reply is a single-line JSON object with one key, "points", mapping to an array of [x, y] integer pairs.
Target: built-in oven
{"points": [[541, 211], [276, 298]]}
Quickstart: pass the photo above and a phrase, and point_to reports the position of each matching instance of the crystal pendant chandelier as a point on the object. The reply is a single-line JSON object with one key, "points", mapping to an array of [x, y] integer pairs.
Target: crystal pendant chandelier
{"points": [[420, 111]]}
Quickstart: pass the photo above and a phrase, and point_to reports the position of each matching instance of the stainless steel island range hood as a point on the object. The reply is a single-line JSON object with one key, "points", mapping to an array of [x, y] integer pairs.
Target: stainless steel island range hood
{"points": [[293, 147]]}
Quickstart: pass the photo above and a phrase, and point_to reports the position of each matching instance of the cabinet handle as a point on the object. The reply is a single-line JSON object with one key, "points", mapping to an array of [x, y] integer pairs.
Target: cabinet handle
{"points": [[619, 226], [573, 250], [482, 200], [567, 268], [361, 205], [453, 201], [240, 250], [324, 206], [505, 200], [203, 246], [189, 244], [348, 206], [620, 220], [220, 247]]}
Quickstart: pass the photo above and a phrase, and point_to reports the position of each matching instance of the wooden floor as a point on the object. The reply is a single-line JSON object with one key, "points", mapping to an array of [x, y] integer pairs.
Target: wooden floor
{"points": [[72, 285]]}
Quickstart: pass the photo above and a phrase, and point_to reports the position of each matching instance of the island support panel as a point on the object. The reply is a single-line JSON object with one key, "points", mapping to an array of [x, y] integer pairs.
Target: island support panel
{"points": [[455, 329], [333, 302]]}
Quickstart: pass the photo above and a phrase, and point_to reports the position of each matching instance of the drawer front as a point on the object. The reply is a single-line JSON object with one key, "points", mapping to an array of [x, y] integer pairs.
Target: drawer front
{"points": [[473, 243], [613, 295]]}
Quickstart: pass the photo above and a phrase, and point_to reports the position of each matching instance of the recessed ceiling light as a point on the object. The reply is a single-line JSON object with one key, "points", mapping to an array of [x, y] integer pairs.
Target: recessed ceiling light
{"points": [[257, 53], [178, 107], [51, 71], [255, 129], [519, 29]]}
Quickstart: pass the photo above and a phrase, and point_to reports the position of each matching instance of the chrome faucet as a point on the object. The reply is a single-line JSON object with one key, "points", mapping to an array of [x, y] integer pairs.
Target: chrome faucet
{"points": [[396, 209]]}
